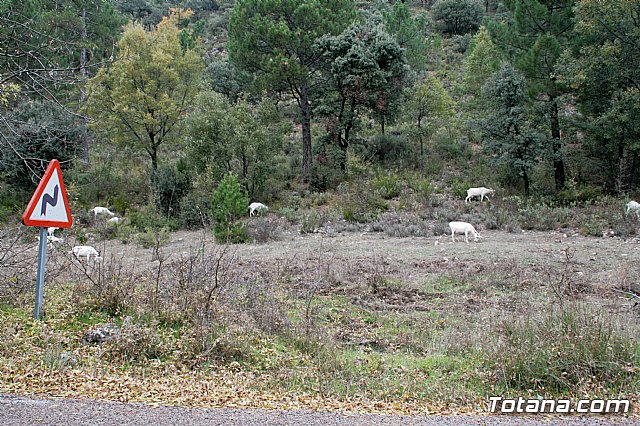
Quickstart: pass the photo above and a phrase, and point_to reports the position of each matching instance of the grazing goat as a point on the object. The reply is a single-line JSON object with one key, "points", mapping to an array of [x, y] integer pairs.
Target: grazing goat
{"points": [[478, 192], [100, 211], [115, 220], [86, 251], [52, 240], [463, 228], [633, 206], [256, 207]]}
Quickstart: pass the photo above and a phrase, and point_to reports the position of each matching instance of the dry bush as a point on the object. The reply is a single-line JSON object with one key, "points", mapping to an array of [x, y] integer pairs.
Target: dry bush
{"points": [[265, 229], [17, 264]]}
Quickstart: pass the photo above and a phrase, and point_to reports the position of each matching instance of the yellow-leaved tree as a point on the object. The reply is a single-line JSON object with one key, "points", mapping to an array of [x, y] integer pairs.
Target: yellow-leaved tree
{"points": [[140, 99]]}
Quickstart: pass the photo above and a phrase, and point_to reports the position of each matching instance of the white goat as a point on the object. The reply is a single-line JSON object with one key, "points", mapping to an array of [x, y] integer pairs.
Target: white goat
{"points": [[256, 206], [463, 228], [86, 251], [478, 192], [633, 206], [51, 230], [100, 211], [52, 240], [115, 220]]}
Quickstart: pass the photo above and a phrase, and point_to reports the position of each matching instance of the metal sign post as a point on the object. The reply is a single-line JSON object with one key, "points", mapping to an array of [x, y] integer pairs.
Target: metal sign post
{"points": [[48, 207], [42, 261]]}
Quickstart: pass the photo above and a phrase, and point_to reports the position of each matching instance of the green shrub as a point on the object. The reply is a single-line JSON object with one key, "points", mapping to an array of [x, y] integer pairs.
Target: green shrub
{"points": [[228, 205], [387, 186], [578, 194], [390, 150], [148, 217], [194, 210], [363, 205], [170, 184], [325, 171], [459, 187]]}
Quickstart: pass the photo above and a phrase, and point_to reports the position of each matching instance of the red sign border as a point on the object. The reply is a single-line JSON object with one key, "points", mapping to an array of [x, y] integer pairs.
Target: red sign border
{"points": [[54, 166]]}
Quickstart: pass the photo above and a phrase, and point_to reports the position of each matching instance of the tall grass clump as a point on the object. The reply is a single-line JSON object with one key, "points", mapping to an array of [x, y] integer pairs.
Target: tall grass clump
{"points": [[569, 349]]}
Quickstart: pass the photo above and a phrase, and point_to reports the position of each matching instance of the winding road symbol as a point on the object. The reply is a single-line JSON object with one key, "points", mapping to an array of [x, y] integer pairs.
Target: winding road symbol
{"points": [[48, 199]]}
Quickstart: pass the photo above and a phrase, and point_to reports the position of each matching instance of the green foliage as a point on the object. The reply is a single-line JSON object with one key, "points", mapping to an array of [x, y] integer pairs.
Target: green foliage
{"points": [[428, 108], [326, 172], [574, 194], [194, 210], [459, 188], [533, 37], [275, 39], [366, 70], [390, 150], [140, 99], [38, 133], [508, 134], [224, 78], [170, 184], [363, 204], [154, 237], [387, 186], [602, 70], [238, 138], [482, 60], [457, 16], [410, 31], [228, 205], [148, 218]]}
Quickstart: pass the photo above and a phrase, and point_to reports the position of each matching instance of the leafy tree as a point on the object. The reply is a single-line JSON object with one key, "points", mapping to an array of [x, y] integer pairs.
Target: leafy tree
{"points": [[482, 60], [429, 106], [40, 132], [274, 39], [228, 205], [46, 49], [235, 138], [509, 135], [457, 17], [411, 33], [534, 37], [602, 68], [223, 77], [366, 71], [140, 99]]}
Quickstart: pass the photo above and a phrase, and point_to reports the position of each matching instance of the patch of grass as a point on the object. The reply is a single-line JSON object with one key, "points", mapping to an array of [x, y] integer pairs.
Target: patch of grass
{"points": [[571, 349]]}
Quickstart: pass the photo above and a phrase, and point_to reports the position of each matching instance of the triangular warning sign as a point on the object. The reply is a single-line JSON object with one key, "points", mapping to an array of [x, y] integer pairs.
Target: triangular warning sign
{"points": [[49, 205]]}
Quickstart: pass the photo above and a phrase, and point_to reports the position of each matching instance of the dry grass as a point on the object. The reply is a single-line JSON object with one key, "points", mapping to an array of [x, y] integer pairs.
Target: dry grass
{"points": [[323, 327]]}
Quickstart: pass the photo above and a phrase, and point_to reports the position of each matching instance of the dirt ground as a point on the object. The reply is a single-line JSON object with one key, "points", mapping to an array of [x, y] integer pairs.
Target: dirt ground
{"points": [[407, 259]]}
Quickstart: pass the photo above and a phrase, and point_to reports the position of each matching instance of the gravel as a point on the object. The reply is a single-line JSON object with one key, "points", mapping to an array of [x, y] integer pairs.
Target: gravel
{"points": [[16, 410]]}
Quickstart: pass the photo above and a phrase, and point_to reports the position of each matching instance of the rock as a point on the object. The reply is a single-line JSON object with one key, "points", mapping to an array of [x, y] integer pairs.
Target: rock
{"points": [[101, 334]]}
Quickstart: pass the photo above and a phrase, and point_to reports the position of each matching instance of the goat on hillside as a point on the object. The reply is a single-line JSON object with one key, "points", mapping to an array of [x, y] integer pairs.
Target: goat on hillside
{"points": [[100, 211], [633, 206], [463, 228], [86, 251], [253, 207], [478, 192]]}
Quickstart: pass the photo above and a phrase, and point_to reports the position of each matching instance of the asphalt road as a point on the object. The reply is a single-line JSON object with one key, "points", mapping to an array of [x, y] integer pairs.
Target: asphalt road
{"points": [[27, 411]]}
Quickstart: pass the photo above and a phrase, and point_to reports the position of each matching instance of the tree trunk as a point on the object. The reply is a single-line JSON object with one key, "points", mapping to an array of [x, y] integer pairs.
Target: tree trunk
{"points": [[83, 95], [527, 184], [307, 160], [558, 159]]}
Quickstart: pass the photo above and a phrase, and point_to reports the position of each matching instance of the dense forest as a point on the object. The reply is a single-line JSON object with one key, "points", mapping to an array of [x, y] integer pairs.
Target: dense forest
{"points": [[151, 106]]}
